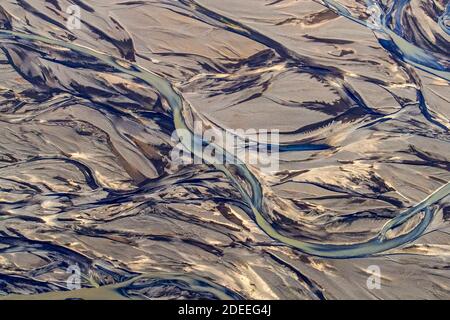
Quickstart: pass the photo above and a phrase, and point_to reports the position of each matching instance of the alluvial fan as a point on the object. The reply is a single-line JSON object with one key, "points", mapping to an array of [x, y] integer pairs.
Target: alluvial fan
{"points": [[95, 96]]}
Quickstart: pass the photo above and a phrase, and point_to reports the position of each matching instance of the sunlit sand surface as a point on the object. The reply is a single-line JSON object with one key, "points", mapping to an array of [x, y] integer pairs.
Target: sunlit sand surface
{"points": [[359, 92]]}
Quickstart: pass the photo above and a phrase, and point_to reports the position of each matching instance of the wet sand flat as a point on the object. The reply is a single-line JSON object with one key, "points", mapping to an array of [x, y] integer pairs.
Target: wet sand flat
{"points": [[95, 96]]}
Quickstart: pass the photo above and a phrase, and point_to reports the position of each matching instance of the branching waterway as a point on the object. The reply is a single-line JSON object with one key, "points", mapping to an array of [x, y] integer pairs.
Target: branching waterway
{"points": [[358, 93]]}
